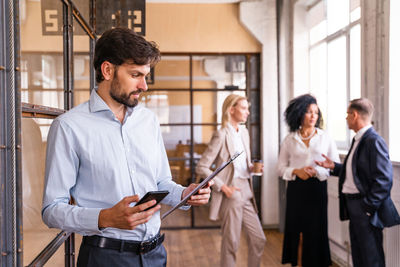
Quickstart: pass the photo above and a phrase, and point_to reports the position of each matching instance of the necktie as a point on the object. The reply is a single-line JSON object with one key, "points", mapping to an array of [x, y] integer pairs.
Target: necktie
{"points": [[352, 144], [351, 147]]}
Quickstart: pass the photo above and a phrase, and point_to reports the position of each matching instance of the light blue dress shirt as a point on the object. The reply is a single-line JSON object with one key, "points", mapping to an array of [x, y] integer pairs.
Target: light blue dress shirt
{"points": [[98, 161]]}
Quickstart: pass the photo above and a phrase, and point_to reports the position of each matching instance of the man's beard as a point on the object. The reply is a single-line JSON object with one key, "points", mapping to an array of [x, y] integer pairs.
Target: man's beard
{"points": [[122, 98]]}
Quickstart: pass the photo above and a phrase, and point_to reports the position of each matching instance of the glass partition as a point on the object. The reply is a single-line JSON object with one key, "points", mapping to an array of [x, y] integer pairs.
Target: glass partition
{"points": [[36, 234], [172, 72], [219, 72], [186, 92], [178, 219], [42, 88], [207, 105], [170, 106], [41, 55], [81, 65], [202, 213]]}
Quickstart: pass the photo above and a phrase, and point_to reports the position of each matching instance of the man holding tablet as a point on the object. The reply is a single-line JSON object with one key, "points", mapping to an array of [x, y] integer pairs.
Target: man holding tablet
{"points": [[107, 152]]}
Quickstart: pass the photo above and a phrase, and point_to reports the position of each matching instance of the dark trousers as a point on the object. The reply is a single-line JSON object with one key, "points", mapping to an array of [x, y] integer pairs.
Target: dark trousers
{"points": [[90, 256], [366, 239], [306, 213]]}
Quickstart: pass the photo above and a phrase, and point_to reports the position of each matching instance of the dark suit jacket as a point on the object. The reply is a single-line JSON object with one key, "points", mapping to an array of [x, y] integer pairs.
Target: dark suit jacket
{"points": [[372, 172]]}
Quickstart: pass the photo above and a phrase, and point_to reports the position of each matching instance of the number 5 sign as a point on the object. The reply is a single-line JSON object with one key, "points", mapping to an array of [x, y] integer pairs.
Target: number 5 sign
{"points": [[109, 14], [51, 17]]}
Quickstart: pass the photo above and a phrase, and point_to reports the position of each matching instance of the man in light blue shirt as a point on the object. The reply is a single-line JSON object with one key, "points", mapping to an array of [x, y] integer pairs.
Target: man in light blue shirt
{"points": [[107, 153]]}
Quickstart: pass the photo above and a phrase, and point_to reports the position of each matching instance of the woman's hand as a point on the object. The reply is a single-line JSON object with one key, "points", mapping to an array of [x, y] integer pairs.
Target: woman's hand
{"points": [[229, 190], [310, 170], [262, 167], [305, 172]]}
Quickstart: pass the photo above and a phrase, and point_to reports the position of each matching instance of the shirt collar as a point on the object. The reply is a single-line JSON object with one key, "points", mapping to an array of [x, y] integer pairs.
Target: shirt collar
{"points": [[96, 104], [233, 130], [361, 132]]}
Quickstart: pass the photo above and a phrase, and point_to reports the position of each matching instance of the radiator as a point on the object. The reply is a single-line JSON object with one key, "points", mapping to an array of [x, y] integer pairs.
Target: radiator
{"points": [[338, 231], [391, 235], [392, 246]]}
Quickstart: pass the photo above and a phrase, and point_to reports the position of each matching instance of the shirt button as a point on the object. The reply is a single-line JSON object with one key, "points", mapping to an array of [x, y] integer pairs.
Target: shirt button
{"points": [[132, 171]]}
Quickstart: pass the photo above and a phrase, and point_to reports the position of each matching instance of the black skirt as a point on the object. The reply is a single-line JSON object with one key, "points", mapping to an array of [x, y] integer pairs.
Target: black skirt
{"points": [[306, 212]]}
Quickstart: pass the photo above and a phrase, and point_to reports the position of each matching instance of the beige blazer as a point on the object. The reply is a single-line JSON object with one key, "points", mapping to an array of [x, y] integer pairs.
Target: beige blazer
{"points": [[219, 150]]}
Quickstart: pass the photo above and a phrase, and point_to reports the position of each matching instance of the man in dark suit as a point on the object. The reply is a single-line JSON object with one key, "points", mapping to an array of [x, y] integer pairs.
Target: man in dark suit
{"points": [[365, 181]]}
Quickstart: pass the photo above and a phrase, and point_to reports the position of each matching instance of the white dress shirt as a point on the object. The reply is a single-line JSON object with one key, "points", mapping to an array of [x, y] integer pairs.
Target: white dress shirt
{"points": [[240, 163], [349, 186], [98, 160], [294, 154]]}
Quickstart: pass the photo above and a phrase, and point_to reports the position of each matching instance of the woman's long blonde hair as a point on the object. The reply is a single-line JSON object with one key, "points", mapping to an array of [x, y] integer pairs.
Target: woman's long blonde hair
{"points": [[230, 101]]}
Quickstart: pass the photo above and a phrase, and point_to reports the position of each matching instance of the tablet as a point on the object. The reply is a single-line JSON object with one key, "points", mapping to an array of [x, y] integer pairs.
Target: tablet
{"points": [[201, 185]]}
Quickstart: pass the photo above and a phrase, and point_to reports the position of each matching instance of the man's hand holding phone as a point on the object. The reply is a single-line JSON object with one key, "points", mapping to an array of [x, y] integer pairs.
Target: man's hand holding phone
{"points": [[123, 216]]}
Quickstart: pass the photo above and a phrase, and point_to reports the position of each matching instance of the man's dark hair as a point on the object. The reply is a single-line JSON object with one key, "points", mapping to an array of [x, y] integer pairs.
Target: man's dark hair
{"points": [[122, 45], [297, 108], [363, 106]]}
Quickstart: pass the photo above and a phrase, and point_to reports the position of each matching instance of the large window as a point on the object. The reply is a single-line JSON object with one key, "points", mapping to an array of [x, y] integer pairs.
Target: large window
{"points": [[335, 61]]}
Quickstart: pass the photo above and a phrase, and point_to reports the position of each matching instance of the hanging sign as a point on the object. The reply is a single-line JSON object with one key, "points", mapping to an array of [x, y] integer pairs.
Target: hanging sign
{"points": [[109, 14]]}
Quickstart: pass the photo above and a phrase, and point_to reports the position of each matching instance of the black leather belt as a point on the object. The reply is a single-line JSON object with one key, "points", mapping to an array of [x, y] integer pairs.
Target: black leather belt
{"points": [[353, 196], [124, 245]]}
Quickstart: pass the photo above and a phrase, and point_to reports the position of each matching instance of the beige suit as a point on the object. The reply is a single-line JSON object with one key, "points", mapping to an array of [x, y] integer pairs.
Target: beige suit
{"points": [[239, 210]]}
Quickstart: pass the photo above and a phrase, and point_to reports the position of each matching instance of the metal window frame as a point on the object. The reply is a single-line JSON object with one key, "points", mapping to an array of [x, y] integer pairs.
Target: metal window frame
{"points": [[12, 110], [10, 138], [191, 90], [70, 12]]}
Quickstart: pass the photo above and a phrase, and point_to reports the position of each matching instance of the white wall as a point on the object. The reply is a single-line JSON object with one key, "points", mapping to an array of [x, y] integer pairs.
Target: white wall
{"points": [[259, 17]]}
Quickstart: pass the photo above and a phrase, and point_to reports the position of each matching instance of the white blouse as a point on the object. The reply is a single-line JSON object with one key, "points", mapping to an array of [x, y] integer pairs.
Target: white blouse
{"points": [[295, 154], [240, 163]]}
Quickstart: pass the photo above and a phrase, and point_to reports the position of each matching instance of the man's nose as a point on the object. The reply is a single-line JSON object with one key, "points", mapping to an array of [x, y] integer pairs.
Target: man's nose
{"points": [[143, 84]]}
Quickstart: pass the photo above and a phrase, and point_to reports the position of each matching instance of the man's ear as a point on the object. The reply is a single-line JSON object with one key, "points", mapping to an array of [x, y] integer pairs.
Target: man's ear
{"points": [[356, 115], [107, 69]]}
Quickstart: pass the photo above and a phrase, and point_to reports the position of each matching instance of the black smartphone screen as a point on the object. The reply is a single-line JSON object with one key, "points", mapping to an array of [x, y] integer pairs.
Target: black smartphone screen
{"points": [[156, 195]]}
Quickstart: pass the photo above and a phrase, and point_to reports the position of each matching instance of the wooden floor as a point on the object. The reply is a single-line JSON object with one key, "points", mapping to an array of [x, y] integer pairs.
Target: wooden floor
{"points": [[201, 248], [194, 248]]}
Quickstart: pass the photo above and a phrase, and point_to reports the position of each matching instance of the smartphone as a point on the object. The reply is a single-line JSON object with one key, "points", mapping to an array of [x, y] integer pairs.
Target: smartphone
{"points": [[156, 195]]}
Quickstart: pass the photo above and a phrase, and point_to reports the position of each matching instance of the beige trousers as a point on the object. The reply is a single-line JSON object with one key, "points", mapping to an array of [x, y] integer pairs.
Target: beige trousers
{"points": [[237, 212]]}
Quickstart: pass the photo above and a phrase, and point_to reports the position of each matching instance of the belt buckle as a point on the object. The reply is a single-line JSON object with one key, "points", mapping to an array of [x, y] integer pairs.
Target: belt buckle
{"points": [[147, 246], [142, 247]]}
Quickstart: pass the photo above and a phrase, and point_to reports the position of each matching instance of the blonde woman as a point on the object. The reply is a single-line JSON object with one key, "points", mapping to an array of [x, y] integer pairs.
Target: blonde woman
{"points": [[232, 196]]}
